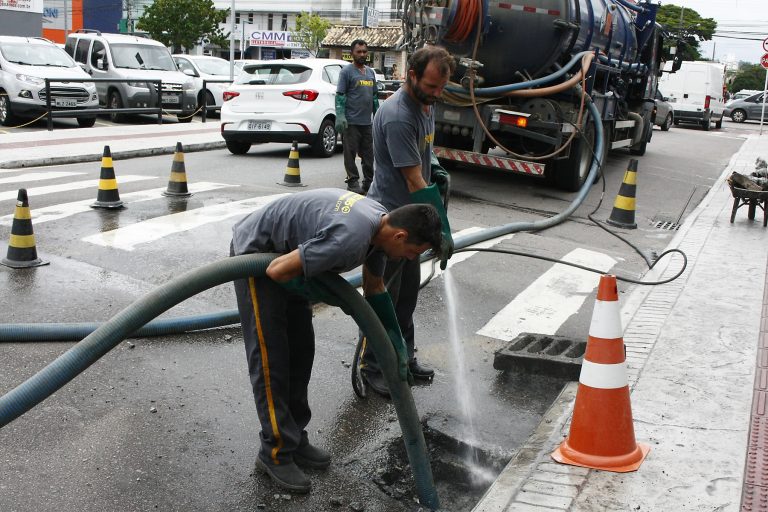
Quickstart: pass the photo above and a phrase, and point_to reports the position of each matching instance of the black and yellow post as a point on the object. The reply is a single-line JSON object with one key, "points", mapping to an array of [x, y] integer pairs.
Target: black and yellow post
{"points": [[623, 214], [177, 183], [108, 196], [292, 176], [21, 248]]}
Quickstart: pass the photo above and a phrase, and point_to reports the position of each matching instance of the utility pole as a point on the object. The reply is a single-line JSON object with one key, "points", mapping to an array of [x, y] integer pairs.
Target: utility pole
{"points": [[128, 20]]}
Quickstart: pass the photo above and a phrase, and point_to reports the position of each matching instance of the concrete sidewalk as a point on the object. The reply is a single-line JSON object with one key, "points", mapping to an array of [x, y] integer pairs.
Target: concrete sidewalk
{"points": [[691, 349], [35, 148]]}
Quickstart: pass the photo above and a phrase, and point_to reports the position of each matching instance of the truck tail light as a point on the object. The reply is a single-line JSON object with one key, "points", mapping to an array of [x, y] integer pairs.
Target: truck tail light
{"points": [[514, 120], [228, 95], [706, 101], [303, 95]]}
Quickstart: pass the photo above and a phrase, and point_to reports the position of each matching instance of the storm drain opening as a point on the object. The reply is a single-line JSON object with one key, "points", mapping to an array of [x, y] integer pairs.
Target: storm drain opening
{"points": [[556, 356], [665, 223]]}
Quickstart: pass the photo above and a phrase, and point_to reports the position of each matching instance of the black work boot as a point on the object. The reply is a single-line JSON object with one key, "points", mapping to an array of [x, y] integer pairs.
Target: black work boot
{"points": [[376, 382], [420, 371], [286, 475], [354, 186], [310, 456]]}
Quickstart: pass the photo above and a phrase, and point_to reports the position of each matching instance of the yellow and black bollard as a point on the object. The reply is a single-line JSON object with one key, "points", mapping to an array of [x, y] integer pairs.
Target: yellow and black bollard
{"points": [[177, 183], [21, 247], [108, 196], [623, 214], [292, 176]]}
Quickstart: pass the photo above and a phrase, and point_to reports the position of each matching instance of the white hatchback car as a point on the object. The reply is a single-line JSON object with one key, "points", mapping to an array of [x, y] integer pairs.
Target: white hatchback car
{"points": [[202, 67], [282, 101]]}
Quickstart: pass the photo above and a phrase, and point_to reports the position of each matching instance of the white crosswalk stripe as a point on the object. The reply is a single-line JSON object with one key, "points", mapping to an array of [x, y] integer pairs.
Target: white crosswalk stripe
{"points": [[60, 211], [426, 267], [551, 299], [127, 238], [66, 187], [37, 176]]}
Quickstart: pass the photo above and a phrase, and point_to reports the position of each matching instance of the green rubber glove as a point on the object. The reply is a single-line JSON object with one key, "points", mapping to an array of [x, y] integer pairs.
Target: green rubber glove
{"points": [[431, 195], [341, 113], [313, 290], [381, 303], [375, 102], [440, 176]]}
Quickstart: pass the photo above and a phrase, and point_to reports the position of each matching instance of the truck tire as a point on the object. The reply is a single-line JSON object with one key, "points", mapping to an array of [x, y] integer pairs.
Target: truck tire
{"points": [[639, 148], [570, 173]]}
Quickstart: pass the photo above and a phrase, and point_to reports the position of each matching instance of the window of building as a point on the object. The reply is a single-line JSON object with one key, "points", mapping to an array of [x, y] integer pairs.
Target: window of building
{"points": [[284, 23], [237, 18], [269, 21], [250, 18]]}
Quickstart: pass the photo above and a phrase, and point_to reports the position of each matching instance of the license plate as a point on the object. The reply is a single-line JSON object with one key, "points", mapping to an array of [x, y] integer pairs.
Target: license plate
{"points": [[170, 98], [259, 126], [64, 102]]}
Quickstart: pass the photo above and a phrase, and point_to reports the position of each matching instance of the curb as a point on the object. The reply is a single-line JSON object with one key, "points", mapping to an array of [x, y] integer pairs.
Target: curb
{"points": [[117, 155]]}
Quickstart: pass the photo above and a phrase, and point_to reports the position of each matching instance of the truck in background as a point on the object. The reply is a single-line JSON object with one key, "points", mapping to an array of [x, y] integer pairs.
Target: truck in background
{"points": [[498, 112], [696, 91]]}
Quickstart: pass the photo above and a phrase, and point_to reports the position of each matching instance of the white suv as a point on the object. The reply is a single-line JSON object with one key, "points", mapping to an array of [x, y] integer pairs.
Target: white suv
{"points": [[140, 60], [25, 63]]}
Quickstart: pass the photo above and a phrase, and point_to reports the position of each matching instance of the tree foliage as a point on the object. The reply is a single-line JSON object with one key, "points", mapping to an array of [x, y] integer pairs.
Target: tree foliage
{"points": [[749, 76], [184, 23], [687, 32], [310, 31]]}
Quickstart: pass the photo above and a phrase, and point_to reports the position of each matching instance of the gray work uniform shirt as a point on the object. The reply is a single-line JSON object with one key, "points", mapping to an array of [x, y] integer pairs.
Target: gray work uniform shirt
{"points": [[332, 229], [359, 86], [403, 134]]}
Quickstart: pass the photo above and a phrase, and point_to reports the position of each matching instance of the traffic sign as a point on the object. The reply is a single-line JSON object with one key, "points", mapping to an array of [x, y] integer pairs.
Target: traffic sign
{"points": [[764, 61], [765, 44]]}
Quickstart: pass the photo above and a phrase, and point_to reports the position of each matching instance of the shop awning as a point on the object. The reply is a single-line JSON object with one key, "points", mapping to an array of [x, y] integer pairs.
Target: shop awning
{"points": [[380, 38]]}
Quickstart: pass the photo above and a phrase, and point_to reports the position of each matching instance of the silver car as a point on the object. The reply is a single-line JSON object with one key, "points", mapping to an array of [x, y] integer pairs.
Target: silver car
{"points": [[664, 112], [749, 108]]}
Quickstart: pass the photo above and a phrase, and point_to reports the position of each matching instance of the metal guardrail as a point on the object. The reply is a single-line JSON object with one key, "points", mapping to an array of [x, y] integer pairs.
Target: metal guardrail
{"points": [[51, 112], [205, 108]]}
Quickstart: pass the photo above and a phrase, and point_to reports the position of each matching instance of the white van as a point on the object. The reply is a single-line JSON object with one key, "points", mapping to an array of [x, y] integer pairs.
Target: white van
{"points": [[139, 59], [25, 63], [696, 92]]}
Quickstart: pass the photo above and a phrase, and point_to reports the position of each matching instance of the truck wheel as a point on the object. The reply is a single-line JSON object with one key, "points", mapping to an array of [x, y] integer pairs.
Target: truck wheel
{"points": [[115, 101], [6, 115], [667, 123], [570, 173], [639, 148], [738, 116]]}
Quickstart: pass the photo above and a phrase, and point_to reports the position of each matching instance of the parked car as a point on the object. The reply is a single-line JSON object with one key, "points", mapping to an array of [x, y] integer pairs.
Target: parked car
{"points": [[664, 113], [748, 108], [139, 59], [25, 63], [282, 101], [742, 94], [201, 68]]}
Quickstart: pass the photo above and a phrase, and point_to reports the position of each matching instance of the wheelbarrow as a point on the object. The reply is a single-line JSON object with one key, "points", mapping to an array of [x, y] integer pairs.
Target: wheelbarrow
{"points": [[751, 198]]}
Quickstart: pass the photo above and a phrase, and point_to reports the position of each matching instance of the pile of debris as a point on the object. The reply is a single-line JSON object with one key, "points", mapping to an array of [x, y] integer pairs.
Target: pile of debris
{"points": [[757, 181]]}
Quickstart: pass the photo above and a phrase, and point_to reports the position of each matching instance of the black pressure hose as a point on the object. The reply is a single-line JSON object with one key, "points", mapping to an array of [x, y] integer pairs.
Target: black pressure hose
{"points": [[78, 358]]}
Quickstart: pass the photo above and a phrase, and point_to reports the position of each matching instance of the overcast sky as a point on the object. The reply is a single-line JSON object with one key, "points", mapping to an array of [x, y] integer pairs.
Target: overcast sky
{"points": [[735, 18]]}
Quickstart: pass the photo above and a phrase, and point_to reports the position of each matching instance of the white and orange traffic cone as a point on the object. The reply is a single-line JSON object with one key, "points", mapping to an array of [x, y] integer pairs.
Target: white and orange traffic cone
{"points": [[602, 435]]}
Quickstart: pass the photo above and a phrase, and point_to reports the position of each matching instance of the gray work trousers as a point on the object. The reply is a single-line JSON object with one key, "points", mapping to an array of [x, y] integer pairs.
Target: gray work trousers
{"points": [[358, 140]]}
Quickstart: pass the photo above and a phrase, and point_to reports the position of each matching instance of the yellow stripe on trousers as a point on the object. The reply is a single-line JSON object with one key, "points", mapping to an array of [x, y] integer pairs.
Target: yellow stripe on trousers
{"points": [[265, 368]]}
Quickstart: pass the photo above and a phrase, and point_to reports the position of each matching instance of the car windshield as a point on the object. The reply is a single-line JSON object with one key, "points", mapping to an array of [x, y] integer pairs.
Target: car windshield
{"points": [[36, 55], [274, 74], [142, 56], [213, 66]]}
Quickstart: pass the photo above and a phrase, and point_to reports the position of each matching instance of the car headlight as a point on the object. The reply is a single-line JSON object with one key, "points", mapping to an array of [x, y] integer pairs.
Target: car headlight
{"points": [[138, 85], [89, 85], [30, 79]]}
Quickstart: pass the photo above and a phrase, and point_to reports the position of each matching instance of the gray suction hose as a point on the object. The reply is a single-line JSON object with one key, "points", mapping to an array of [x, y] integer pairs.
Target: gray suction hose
{"points": [[78, 358]]}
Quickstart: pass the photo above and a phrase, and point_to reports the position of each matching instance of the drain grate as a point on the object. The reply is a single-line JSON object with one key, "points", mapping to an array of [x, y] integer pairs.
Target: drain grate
{"points": [[556, 356], [666, 224]]}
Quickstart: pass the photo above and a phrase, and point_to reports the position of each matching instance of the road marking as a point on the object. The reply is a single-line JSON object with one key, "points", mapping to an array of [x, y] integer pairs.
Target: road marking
{"points": [[59, 211], [551, 299], [74, 185], [37, 176], [426, 267], [150, 230]]}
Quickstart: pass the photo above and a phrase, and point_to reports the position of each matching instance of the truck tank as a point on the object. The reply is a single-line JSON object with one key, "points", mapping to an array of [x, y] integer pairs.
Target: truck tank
{"points": [[530, 36]]}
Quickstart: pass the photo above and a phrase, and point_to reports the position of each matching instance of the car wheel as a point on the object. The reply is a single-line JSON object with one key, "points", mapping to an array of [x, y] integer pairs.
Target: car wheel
{"points": [[6, 115], [325, 142], [667, 123], [115, 101], [738, 116], [238, 148], [86, 122]]}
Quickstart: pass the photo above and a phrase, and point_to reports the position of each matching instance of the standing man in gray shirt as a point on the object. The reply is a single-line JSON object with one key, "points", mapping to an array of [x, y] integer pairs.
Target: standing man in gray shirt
{"points": [[356, 102], [408, 172], [315, 231]]}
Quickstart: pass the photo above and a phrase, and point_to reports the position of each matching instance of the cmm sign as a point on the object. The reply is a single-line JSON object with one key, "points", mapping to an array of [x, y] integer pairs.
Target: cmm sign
{"points": [[272, 38]]}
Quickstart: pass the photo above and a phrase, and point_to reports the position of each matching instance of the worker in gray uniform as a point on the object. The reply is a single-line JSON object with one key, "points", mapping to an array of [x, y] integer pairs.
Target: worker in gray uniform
{"points": [[315, 231], [406, 172], [357, 100]]}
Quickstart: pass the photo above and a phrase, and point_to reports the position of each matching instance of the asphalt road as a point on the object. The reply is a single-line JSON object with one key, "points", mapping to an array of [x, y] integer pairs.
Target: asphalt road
{"points": [[168, 423]]}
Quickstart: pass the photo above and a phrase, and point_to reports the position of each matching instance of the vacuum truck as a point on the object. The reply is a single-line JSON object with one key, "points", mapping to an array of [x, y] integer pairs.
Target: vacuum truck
{"points": [[525, 71]]}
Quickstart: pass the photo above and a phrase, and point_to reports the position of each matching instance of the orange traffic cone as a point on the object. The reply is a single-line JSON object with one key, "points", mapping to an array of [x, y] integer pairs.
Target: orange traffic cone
{"points": [[602, 435], [177, 183], [292, 176]]}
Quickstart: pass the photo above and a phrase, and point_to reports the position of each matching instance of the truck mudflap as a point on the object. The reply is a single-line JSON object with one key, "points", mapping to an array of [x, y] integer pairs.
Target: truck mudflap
{"points": [[491, 161]]}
